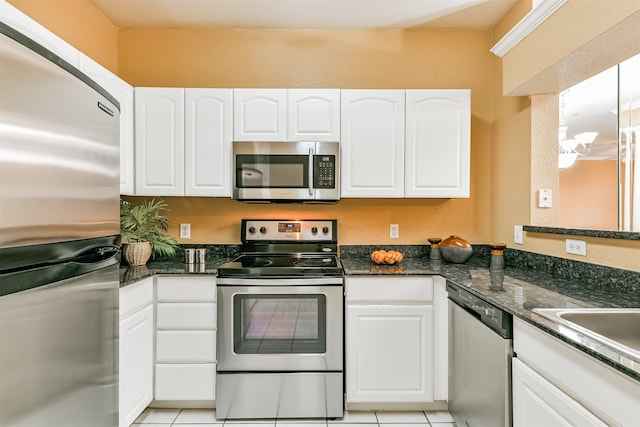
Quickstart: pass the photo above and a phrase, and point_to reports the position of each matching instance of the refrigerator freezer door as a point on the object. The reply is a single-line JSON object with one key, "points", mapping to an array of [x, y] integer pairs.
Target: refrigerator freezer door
{"points": [[59, 149], [59, 353]]}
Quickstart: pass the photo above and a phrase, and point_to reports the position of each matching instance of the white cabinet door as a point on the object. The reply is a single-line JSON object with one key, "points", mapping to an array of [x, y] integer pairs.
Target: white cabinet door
{"points": [[185, 289], [389, 353], [186, 347], [260, 115], [186, 382], [372, 123], [159, 132], [186, 316], [611, 396], [14, 18], [537, 402], [123, 92], [437, 154], [136, 364], [208, 136], [313, 115]]}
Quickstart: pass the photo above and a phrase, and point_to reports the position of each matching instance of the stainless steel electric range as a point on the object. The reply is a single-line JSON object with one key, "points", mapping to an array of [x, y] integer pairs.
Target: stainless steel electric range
{"points": [[280, 323]]}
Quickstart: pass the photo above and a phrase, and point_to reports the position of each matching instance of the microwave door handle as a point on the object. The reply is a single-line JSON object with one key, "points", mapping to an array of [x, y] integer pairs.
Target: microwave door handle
{"points": [[310, 171]]}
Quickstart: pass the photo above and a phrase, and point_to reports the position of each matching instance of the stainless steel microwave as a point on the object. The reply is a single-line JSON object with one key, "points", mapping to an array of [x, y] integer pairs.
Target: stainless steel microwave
{"points": [[286, 171]]}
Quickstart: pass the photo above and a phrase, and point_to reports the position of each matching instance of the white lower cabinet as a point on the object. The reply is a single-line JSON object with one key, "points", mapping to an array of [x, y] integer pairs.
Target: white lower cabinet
{"points": [[136, 350], [185, 367], [537, 402], [185, 346], [388, 353], [391, 355], [194, 381], [555, 384]]}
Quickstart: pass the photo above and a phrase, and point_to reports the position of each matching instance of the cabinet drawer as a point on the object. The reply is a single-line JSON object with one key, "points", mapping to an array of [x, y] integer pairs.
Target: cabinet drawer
{"points": [[186, 289], [181, 316], [185, 346], [135, 297], [185, 382], [396, 289]]}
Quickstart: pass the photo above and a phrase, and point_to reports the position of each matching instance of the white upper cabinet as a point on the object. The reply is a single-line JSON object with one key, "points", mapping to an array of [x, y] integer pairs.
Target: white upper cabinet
{"points": [[372, 143], [260, 115], [208, 136], [123, 92], [159, 131], [36, 32], [286, 115], [437, 146], [183, 141], [313, 115]]}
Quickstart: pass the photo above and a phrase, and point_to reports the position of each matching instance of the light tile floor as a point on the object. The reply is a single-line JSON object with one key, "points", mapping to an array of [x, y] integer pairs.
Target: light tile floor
{"points": [[153, 417]]}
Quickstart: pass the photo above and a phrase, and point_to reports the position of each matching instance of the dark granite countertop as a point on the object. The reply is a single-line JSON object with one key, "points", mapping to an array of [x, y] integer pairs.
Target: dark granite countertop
{"points": [[216, 255], [130, 275], [518, 291], [529, 281]]}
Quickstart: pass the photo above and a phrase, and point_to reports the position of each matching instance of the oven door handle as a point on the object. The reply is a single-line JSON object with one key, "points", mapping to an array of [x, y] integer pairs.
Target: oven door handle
{"points": [[311, 152], [311, 281]]}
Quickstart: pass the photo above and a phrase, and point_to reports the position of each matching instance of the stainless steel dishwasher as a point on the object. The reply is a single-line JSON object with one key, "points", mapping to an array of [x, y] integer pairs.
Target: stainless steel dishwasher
{"points": [[480, 351]]}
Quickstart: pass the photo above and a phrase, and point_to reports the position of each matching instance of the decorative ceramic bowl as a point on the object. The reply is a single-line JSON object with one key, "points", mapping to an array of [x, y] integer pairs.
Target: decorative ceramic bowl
{"points": [[456, 250]]}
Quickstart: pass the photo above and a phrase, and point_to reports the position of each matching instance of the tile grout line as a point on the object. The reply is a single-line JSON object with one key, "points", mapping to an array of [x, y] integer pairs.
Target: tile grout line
{"points": [[275, 422]]}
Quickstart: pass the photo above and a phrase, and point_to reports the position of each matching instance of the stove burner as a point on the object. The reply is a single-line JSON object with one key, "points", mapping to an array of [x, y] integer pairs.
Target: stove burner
{"points": [[257, 262], [313, 262]]}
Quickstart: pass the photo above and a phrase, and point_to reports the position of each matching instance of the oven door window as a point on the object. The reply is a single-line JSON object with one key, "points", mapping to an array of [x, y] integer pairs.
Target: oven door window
{"points": [[279, 324], [272, 171]]}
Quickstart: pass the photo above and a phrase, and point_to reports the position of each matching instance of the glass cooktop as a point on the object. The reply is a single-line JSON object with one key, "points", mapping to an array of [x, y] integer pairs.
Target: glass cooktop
{"points": [[281, 265]]}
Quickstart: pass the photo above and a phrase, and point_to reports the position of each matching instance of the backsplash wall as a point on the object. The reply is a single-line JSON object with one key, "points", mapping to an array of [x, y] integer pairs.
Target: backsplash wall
{"points": [[360, 221]]}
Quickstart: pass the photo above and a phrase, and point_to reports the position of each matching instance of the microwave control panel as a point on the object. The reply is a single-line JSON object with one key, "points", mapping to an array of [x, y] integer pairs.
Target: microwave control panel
{"points": [[324, 171]]}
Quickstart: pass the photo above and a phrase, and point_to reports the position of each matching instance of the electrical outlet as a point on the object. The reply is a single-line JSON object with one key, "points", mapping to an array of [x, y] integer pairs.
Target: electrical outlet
{"points": [[544, 198], [517, 234], [185, 231], [394, 231], [576, 247]]}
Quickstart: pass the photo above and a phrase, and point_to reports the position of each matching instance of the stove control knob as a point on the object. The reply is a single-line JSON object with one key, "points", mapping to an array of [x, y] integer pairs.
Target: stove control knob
{"points": [[263, 230], [252, 230], [314, 230], [325, 230]]}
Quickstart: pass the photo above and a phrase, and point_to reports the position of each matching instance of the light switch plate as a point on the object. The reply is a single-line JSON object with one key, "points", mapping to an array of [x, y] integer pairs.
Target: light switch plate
{"points": [[517, 234], [394, 231]]}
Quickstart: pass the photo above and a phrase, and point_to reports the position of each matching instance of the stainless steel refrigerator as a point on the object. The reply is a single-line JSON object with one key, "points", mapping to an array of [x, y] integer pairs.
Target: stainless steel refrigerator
{"points": [[59, 241]]}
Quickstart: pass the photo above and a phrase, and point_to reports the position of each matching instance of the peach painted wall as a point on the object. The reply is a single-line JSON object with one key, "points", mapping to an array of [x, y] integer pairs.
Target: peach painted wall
{"points": [[510, 145], [80, 24], [340, 59], [501, 192], [528, 130], [589, 195]]}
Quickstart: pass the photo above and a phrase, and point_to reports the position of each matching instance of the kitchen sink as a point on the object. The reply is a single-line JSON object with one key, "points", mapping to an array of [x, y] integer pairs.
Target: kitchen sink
{"points": [[618, 328]]}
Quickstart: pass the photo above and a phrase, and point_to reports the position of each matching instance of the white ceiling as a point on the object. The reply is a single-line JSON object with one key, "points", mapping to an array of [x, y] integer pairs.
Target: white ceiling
{"points": [[306, 14]]}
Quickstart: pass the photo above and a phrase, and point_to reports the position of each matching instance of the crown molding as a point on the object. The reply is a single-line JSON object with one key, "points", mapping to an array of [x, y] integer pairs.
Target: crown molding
{"points": [[526, 25]]}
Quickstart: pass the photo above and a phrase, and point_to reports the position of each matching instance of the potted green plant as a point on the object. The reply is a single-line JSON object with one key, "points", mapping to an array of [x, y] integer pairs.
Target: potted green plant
{"points": [[142, 229]]}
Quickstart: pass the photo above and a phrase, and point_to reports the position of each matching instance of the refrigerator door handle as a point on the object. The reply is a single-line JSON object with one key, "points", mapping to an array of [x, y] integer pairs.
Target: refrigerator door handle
{"points": [[97, 254]]}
